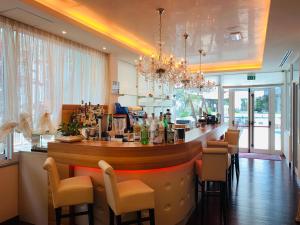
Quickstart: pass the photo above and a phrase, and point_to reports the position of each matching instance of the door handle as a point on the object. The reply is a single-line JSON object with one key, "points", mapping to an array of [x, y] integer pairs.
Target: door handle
{"points": [[270, 123]]}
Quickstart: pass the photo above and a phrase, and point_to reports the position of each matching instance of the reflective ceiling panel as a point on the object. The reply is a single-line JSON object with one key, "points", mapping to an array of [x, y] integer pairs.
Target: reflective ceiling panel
{"points": [[134, 24]]}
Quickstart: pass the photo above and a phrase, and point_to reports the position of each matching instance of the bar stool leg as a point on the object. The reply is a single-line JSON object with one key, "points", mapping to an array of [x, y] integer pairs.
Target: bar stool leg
{"points": [[119, 220], [196, 191], [202, 200], [237, 159], [152, 216], [139, 216], [58, 215], [111, 217], [91, 214]]}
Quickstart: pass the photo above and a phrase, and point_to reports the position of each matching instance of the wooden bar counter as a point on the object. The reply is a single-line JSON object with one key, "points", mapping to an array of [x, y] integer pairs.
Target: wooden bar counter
{"points": [[167, 168], [133, 155]]}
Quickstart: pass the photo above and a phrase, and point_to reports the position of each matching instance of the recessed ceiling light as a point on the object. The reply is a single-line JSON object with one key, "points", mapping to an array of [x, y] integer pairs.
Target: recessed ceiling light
{"points": [[104, 48], [235, 36], [64, 32]]}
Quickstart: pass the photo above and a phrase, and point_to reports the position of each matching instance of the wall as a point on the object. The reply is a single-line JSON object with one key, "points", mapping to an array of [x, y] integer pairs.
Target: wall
{"points": [[33, 188], [8, 192]]}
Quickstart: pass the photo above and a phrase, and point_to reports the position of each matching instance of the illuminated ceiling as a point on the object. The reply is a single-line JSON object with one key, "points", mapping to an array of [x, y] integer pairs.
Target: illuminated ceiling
{"points": [[134, 24]]}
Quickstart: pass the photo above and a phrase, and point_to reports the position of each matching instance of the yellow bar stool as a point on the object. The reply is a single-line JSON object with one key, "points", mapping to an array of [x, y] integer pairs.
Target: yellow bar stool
{"points": [[69, 192], [127, 196], [213, 167]]}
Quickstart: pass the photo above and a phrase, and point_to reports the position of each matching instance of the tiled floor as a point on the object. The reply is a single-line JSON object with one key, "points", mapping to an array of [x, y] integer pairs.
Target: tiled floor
{"points": [[266, 194]]}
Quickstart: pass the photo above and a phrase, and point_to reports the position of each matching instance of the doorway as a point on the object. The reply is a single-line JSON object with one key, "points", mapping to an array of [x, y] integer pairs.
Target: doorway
{"points": [[256, 112]]}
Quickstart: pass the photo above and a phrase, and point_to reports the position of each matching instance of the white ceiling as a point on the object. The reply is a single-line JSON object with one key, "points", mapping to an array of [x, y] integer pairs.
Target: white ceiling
{"points": [[207, 22]]}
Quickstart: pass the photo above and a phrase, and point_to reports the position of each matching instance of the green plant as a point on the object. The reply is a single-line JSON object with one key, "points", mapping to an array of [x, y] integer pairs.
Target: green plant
{"points": [[69, 129]]}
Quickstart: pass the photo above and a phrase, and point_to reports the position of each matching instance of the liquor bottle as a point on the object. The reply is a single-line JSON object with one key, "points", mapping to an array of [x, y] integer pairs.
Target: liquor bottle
{"points": [[137, 130], [168, 115], [170, 135], [153, 128], [161, 116], [165, 125], [145, 133]]}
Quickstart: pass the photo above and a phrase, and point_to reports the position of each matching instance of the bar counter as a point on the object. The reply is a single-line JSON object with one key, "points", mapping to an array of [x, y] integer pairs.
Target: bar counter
{"points": [[167, 168], [134, 155]]}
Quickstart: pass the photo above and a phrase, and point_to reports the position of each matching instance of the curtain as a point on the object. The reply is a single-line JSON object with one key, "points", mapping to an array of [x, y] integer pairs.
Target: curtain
{"points": [[39, 72]]}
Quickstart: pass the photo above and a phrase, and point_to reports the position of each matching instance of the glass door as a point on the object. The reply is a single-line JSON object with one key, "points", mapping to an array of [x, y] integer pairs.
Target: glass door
{"points": [[257, 113], [241, 116], [260, 121]]}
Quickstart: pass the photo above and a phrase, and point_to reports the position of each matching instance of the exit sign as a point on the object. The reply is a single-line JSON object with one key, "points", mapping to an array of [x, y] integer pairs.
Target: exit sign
{"points": [[251, 77]]}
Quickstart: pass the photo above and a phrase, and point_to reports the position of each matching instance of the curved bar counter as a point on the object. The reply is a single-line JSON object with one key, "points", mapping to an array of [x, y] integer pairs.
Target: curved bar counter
{"points": [[167, 168]]}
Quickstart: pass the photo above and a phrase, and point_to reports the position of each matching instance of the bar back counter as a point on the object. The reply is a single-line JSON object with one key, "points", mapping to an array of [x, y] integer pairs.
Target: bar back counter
{"points": [[167, 168]]}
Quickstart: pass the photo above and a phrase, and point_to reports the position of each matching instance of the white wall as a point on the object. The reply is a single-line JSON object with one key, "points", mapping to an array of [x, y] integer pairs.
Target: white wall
{"points": [[33, 188], [8, 192]]}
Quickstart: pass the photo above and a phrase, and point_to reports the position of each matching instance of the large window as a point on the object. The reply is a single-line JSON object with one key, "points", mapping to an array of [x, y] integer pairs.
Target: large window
{"points": [[188, 103], [39, 72]]}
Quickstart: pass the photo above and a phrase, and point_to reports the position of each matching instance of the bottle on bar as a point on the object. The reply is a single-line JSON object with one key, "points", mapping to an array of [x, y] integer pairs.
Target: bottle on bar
{"points": [[137, 130], [161, 130], [168, 116], [153, 125], [145, 133], [170, 134]]}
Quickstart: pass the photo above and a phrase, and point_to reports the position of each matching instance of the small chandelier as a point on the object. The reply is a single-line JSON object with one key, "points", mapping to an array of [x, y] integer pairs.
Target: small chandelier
{"points": [[184, 78], [199, 82], [157, 68]]}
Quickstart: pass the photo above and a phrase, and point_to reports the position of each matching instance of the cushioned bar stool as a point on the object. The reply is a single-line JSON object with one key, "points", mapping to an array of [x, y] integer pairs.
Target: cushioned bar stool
{"points": [[198, 172], [127, 196], [231, 142], [214, 167], [69, 192]]}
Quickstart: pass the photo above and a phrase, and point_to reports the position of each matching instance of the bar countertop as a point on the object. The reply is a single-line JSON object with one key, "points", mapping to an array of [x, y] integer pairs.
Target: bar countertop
{"points": [[134, 155]]}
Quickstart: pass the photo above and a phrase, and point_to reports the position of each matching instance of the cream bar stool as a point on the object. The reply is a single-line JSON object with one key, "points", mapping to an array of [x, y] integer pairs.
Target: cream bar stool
{"points": [[199, 179], [214, 168], [231, 142], [127, 196], [69, 192]]}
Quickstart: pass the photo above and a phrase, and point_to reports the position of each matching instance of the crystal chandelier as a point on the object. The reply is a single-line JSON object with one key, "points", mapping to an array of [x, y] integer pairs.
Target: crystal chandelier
{"points": [[199, 81], [184, 77], [157, 68]]}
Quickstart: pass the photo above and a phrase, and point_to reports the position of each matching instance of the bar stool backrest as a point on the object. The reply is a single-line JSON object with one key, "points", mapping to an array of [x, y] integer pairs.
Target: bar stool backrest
{"points": [[232, 137], [214, 164], [53, 175], [111, 188]]}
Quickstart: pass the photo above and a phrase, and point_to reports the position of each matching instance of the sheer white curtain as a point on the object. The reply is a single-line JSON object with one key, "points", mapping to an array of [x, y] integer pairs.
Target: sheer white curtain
{"points": [[40, 72]]}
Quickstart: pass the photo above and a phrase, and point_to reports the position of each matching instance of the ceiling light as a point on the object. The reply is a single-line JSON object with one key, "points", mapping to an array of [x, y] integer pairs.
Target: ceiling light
{"points": [[235, 36], [64, 32], [103, 48]]}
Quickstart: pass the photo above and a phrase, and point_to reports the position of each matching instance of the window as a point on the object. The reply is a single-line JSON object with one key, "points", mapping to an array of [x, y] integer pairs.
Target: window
{"points": [[39, 72], [190, 102]]}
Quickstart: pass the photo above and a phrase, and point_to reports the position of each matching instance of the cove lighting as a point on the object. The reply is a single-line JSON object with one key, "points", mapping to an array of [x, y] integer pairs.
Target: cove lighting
{"points": [[74, 12]]}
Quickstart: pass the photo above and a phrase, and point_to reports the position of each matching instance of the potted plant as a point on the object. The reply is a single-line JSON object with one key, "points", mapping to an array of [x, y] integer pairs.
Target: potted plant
{"points": [[69, 132]]}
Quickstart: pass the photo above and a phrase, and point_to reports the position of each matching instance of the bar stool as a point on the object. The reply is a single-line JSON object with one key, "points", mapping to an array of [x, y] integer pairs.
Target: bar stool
{"points": [[198, 167], [231, 142], [127, 196], [69, 192], [214, 167]]}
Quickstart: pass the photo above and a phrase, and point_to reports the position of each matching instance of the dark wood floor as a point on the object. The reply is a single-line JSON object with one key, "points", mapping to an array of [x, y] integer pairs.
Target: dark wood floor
{"points": [[266, 194]]}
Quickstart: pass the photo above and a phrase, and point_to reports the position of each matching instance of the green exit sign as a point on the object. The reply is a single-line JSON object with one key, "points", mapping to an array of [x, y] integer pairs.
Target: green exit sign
{"points": [[251, 77]]}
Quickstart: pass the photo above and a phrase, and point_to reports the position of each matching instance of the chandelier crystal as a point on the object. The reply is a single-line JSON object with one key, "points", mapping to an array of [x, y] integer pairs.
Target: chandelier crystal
{"points": [[158, 68]]}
